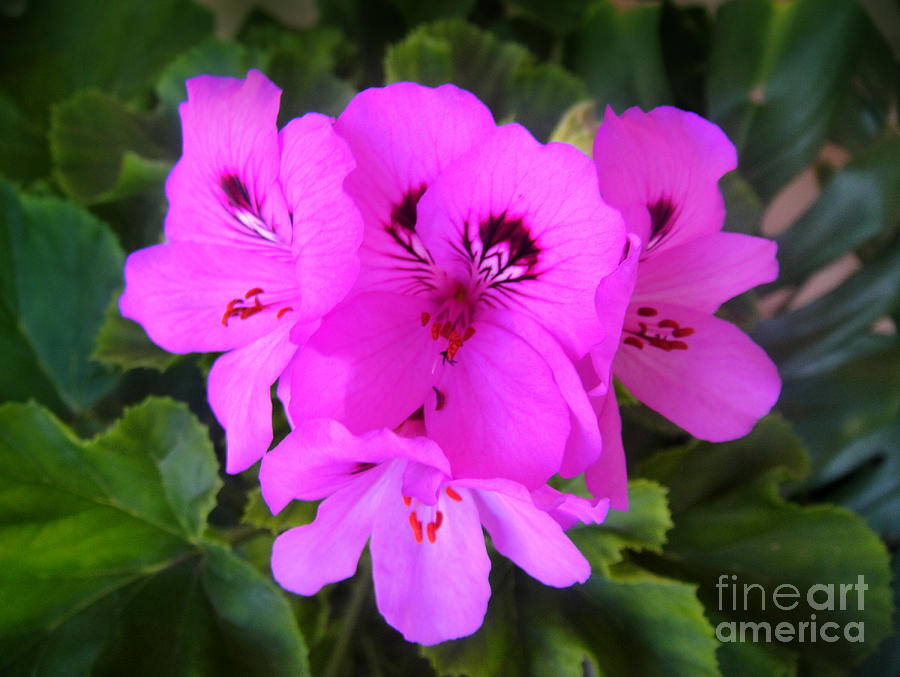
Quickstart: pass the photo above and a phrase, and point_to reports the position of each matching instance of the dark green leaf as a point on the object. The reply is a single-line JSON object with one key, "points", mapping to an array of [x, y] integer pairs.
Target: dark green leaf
{"points": [[701, 471], [62, 267], [637, 623], [859, 202], [830, 410], [23, 154], [502, 74], [211, 57], [60, 47], [296, 514], [102, 151], [617, 52], [821, 334], [124, 343], [102, 561], [642, 527], [779, 73]]}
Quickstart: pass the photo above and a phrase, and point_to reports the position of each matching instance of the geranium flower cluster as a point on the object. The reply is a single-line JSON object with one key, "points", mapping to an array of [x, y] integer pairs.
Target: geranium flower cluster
{"points": [[443, 302]]}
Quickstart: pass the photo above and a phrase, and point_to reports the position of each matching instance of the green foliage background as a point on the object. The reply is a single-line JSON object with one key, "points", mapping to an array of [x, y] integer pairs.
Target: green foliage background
{"points": [[124, 549]]}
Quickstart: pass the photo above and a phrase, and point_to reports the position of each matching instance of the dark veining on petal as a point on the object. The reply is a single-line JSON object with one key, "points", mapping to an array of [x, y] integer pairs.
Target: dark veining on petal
{"points": [[236, 192], [662, 214], [361, 467], [523, 250], [404, 214]]}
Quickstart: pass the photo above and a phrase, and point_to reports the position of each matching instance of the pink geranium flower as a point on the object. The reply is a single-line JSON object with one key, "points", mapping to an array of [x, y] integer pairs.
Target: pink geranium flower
{"points": [[261, 239], [429, 561], [480, 260], [661, 169]]}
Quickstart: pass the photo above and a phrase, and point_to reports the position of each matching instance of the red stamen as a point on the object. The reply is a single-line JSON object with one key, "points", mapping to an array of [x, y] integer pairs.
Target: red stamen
{"points": [[436, 331], [470, 332], [430, 530], [446, 329], [646, 311], [416, 527], [438, 520], [253, 292], [425, 318], [282, 312], [632, 341], [681, 332], [678, 345], [671, 324], [407, 500], [452, 494], [452, 349], [660, 343], [247, 312]]}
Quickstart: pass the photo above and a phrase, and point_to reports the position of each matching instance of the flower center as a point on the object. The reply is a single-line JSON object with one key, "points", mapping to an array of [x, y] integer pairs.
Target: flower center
{"points": [[665, 334], [425, 520], [250, 305], [245, 210]]}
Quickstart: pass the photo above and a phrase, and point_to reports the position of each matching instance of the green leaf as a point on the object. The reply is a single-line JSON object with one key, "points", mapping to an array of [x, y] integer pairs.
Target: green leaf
{"points": [[578, 127], [502, 74], [751, 536], [61, 47], [23, 155], [296, 514], [702, 471], [638, 623], [211, 57], [642, 527], [779, 73], [102, 559], [859, 202], [61, 268], [124, 343], [820, 335], [618, 54], [102, 151]]}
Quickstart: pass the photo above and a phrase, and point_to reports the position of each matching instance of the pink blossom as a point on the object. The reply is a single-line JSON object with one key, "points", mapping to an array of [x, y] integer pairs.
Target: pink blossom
{"points": [[661, 169], [429, 561], [261, 241], [480, 260]]}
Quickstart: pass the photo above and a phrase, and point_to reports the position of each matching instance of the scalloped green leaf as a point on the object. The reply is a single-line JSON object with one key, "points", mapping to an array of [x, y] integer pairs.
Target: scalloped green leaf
{"points": [[124, 343], [102, 151], [701, 471], [502, 74], [102, 558], [61, 268], [23, 155]]}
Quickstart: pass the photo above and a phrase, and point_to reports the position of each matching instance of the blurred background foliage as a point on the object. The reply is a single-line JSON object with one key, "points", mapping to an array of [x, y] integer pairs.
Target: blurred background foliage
{"points": [[124, 549]]}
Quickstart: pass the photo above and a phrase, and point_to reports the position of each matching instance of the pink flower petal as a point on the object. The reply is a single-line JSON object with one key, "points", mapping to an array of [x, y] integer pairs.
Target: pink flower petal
{"points": [[584, 444], [530, 219], [402, 136], [716, 388], [180, 293], [308, 557], [430, 592], [239, 395], [607, 479], [498, 410], [569, 509], [225, 188], [369, 365], [327, 228], [526, 534], [707, 271], [666, 162], [321, 456], [611, 299]]}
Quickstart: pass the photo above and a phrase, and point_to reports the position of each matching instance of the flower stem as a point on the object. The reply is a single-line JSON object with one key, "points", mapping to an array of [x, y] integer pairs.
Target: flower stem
{"points": [[358, 596]]}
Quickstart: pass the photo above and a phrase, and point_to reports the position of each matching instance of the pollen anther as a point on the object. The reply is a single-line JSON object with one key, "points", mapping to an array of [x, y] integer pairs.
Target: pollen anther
{"points": [[636, 342], [430, 530], [416, 527], [282, 312], [253, 292], [451, 492], [646, 311], [407, 500], [425, 318]]}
